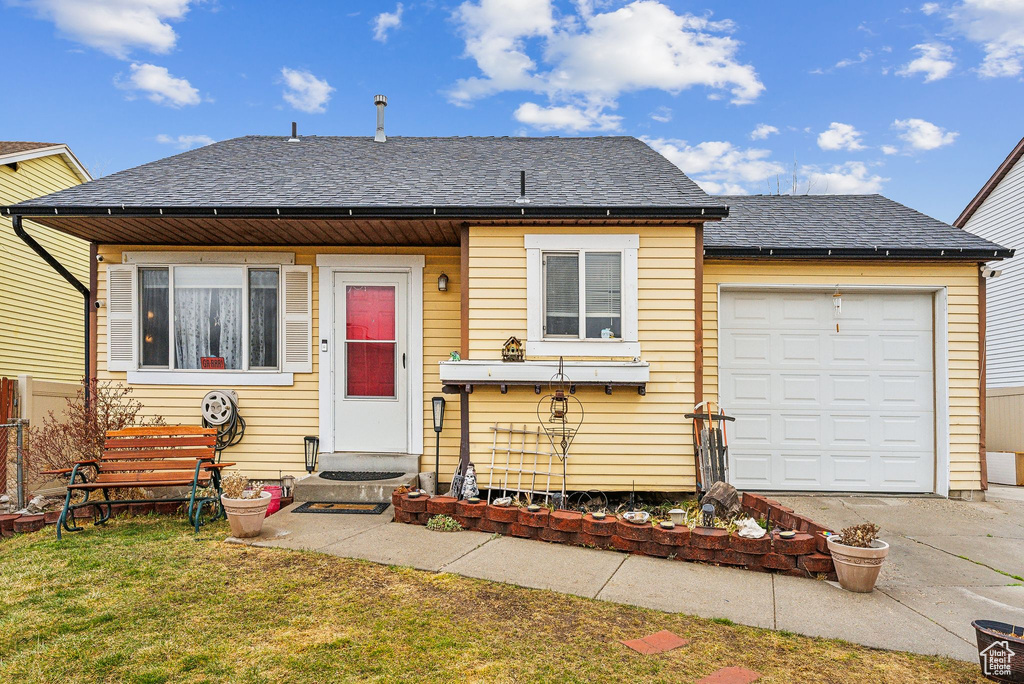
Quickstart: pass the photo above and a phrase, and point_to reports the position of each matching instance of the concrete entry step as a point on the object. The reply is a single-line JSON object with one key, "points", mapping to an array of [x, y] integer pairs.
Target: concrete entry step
{"points": [[315, 488], [352, 461]]}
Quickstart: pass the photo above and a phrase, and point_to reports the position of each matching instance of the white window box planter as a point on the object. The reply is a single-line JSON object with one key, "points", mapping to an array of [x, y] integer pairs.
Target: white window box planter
{"points": [[538, 374]]}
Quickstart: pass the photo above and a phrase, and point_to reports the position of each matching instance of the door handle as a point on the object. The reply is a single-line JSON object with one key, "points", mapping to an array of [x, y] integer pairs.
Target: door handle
{"points": [[403, 360]]}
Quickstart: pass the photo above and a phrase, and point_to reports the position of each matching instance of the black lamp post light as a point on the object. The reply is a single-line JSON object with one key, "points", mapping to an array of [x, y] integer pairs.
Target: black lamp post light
{"points": [[437, 404], [312, 450]]}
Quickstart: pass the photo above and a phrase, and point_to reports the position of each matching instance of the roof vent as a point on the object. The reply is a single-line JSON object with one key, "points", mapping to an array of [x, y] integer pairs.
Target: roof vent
{"points": [[295, 133], [380, 102], [522, 199]]}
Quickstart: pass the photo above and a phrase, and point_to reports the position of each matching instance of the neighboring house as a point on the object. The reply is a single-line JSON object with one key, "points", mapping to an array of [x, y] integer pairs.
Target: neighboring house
{"points": [[997, 213], [41, 316], [310, 268]]}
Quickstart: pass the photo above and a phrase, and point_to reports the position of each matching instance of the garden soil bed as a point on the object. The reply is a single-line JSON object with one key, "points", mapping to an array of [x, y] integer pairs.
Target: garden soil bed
{"points": [[805, 555]]}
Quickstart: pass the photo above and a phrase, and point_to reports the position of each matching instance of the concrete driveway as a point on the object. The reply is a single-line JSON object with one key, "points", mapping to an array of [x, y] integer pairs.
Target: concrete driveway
{"points": [[950, 562]]}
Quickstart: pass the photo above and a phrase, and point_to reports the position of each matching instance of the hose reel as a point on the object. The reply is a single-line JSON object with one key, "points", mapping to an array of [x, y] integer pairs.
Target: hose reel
{"points": [[220, 410]]}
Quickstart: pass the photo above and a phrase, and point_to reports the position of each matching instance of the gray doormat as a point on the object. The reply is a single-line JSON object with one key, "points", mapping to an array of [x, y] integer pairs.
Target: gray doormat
{"points": [[358, 475], [343, 507]]}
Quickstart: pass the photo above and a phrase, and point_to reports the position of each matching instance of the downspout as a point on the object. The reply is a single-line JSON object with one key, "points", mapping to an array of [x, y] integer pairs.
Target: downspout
{"points": [[19, 230]]}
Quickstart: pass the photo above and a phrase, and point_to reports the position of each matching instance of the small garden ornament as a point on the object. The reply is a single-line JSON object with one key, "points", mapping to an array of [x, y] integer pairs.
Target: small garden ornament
{"points": [[858, 555], [245, 504]]}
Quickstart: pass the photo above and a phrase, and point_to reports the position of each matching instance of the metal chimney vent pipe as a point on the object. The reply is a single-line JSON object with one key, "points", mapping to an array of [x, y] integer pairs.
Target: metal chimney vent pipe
{"points": [[295, 133], [380, 101]]}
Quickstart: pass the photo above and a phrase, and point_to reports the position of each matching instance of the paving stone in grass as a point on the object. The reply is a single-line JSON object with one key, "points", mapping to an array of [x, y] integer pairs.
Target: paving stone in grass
{"points": [[659, 642], [730, 675]]}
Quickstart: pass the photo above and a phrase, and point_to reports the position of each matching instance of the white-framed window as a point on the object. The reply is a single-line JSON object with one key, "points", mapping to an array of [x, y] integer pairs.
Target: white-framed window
{"points": [[194, 318], [209, 317], [582, 295]]}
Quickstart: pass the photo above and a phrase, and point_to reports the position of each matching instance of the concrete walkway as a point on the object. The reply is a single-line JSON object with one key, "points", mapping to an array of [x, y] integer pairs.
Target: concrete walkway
{"points": [[926, 597]]}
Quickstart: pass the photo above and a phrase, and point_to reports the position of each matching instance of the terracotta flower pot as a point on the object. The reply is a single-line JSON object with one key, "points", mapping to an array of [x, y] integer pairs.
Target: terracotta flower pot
{"points": [[857, 568], [246, 515]]}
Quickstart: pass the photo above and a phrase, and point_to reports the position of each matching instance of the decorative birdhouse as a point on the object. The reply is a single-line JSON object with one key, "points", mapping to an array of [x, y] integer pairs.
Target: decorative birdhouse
{"points": [[512, 350]]}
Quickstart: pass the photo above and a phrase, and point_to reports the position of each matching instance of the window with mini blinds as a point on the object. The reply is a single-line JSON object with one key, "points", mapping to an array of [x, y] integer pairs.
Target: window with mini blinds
{"points": [[581, 293]]}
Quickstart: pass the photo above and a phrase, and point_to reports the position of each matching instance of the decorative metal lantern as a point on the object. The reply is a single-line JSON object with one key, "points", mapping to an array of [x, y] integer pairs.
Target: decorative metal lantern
{"points": [[562, 422], [312, 451], [442, 282], [708, 515], [287, 484], [437, 404]]}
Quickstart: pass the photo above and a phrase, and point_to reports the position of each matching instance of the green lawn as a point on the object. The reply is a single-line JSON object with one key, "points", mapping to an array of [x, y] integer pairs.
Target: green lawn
{"points": [[145, 601]]}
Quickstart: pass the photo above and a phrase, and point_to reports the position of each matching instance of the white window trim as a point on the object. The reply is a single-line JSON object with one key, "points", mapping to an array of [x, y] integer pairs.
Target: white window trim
{"points": [[412, 265], [536, 245], [218, 258], [268, 377]]}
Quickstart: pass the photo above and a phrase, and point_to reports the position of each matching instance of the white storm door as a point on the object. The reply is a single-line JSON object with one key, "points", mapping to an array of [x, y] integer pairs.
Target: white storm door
{"points": [[827, 399], [371, 358]]}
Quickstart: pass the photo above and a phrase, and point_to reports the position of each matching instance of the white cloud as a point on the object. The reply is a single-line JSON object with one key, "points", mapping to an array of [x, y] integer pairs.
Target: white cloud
{"points": [[840, 136], [385, 21], [115, 26], [851, 178], [890, 149], [305, 92], [590, 58], [923, 135], [762, 131], [930, 8], [662, 114], [998, 25], [185, 142], [160, 86], [934, 61], [566, 118], [719, 166], [862, 56]]}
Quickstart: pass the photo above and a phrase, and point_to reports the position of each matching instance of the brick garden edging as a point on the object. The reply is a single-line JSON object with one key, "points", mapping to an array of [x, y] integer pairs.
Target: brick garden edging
{"points": [[805, 555]]}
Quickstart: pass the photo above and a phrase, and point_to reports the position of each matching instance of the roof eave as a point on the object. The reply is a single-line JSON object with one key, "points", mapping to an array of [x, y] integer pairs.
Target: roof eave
{"points": [[710, 213], [61, 149], [890, 253]]}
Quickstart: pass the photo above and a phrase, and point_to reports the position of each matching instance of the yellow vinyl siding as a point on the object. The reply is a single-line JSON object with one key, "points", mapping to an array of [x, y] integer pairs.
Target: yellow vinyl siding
{"points": [[961, 281], [625, 438], [41, 315], [277, 418]]}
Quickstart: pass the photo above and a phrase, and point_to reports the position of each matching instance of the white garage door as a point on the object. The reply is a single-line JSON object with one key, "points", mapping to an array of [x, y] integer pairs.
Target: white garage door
{"points": [[824, 410]]}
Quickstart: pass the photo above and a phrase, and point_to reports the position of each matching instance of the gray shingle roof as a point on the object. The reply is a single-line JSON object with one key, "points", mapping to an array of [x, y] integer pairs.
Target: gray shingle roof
{"points": [[838, 222], [264, 171]]}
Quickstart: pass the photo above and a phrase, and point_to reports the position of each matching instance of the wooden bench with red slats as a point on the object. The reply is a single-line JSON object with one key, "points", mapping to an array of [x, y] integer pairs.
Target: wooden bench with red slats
{"points": [[147, 458]]}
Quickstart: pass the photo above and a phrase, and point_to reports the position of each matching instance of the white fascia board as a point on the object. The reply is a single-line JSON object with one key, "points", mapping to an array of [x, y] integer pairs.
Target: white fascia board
{"points": [[63, 150]]}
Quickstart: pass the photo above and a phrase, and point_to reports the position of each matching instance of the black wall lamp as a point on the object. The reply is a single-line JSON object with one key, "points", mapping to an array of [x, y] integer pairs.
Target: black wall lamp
{"points": [[442, 282]]}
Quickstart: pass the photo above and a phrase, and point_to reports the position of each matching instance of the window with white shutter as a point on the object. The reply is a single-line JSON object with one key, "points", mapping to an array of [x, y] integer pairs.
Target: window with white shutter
{"points": [[188, 321], [121, 318], [298, 319]]}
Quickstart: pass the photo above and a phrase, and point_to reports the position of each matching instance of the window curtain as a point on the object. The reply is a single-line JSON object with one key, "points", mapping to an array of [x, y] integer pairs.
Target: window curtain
{"points": [[207, 316], [263, 318]]}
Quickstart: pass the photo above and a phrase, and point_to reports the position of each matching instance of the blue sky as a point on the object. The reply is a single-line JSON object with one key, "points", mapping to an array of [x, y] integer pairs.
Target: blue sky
{"points": [[918, 101]]}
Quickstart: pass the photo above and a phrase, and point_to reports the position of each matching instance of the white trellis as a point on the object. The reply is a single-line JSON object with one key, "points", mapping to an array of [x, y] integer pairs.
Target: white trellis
{"points": [[524, 456]]}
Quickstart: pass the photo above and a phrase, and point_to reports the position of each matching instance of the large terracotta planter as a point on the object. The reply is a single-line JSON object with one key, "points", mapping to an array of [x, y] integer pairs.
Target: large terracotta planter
{"points": [[246, 515], [857, 568]]}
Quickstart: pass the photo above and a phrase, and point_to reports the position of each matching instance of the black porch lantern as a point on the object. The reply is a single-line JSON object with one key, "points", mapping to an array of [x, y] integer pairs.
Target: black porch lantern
{"points": [[437, 403], [312, 449], [442, 282]]}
